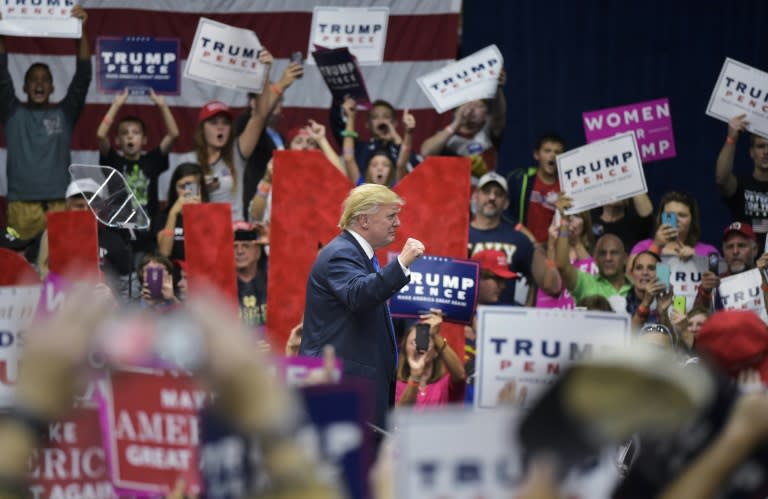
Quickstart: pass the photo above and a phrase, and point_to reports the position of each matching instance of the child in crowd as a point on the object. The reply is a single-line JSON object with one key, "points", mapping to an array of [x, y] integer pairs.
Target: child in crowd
{"points": [[382, 126], [186, 187], [380, 168], [140, 168]]}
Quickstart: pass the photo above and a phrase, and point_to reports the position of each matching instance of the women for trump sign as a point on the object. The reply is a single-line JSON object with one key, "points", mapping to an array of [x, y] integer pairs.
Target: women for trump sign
{"points": [[650, 121]]}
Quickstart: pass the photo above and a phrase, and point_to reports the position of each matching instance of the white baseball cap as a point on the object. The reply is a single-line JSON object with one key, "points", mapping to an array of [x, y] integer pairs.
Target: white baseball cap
{"points": [[492, 177], [82, 186]]}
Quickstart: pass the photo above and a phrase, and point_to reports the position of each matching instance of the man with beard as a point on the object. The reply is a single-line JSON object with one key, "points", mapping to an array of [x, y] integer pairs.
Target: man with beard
{"points": [[739, 251], [535, 189], [745, 195], [488, 231]]}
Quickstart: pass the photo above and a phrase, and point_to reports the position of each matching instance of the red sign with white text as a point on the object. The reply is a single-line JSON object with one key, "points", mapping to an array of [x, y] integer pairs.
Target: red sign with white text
{"points": [[153, 430], [71, 463]]}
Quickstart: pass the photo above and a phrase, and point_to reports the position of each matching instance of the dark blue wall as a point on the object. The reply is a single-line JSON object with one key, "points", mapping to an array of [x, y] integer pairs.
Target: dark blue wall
{"points": [[565, 57]]}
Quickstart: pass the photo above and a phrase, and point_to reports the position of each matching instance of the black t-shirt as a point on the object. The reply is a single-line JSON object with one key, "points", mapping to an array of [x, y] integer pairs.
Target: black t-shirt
{"points": [[514, 244], [252, 297], [257, 163], [158, 224], [114, 251], [631, 229], [749, 204], [141, 176]]}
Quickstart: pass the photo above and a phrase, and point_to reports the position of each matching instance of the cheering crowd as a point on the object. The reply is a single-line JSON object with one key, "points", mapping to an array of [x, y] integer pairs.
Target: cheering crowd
{"points": [[530, 253]]}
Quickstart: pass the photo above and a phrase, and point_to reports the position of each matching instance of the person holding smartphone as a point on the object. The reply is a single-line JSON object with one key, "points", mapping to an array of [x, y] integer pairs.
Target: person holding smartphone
{"points": [[678, 228], [430, 373], [648, 288], [186, 187], [739, 252], [155, 274]]}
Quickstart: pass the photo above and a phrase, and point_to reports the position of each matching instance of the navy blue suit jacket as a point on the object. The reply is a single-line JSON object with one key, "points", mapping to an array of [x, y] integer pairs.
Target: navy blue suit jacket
{"points": [[346, 307]]}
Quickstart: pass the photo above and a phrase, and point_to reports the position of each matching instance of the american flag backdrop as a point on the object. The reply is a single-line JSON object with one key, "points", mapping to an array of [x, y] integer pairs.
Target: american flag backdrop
{"points": [[422, 36]]}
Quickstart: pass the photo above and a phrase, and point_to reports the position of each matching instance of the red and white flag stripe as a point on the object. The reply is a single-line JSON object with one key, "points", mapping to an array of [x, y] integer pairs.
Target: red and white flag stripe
{"points": [[422, 36]]}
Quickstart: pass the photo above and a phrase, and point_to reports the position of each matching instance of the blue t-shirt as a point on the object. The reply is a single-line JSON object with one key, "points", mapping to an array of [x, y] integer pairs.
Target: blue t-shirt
{"points": [[515, 244]]}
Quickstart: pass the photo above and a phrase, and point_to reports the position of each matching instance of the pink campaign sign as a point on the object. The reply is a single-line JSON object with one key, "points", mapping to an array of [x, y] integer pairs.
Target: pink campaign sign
{"points": [[650, 120]]}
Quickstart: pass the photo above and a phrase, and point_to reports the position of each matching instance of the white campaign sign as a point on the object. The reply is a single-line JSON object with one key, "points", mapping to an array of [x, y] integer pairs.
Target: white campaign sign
{"points": [[601, 172], [361, 29], [50, 21], [744, 291], [474, 77], [431, 463], [435, 459], [17, 308], [685, 276], [741, 89], [532, 346], [226, 56]]}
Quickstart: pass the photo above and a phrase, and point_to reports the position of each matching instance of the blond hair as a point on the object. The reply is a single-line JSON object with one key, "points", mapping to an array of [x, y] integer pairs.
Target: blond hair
{"points": [[365, 200]]}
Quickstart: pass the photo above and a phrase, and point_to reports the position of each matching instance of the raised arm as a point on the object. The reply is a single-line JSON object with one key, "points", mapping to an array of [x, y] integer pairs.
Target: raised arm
{"points": [[317, 132], [348, 142], [726, 180], [568, 272], [401, 168], [249, 137], [83, 49], [452, 362], [499, 109], [643, 205], [259, 201], [171, 129], [745, 429], [293, 72], [8, 97], [435, 144], [102, 131]]}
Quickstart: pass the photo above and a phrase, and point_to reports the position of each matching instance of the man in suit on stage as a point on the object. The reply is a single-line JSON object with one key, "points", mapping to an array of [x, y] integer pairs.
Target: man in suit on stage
{"points": [[347, 292]]}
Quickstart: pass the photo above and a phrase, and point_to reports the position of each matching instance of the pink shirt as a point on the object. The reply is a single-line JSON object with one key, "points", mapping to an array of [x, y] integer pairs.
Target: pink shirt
{"points": [[701, 249], [441, 392], [565, 300]]}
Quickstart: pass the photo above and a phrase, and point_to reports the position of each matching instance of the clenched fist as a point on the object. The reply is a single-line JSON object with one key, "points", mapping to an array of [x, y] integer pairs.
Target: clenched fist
{"points": [[412, 250]]}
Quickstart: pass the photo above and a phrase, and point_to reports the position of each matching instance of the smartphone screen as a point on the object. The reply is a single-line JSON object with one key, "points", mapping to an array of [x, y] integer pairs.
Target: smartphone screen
{"points": [[678, 303], [663, 273], [669, 218], [713, 262], [190, 189], [422, 337], [155, 282]]}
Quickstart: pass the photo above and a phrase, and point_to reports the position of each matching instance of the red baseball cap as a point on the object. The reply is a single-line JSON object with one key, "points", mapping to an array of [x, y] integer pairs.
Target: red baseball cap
{"points": [[494, 261], [735, 340], [742, 228], [293, 133], [211, 109]]}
